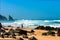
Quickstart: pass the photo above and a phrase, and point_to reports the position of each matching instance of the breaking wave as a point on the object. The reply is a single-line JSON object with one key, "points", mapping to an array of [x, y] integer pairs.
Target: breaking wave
{"points": [[52, 23]]}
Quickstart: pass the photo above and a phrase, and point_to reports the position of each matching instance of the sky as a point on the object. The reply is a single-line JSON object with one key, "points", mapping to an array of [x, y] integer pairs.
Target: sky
{"points": [[31, 9]]}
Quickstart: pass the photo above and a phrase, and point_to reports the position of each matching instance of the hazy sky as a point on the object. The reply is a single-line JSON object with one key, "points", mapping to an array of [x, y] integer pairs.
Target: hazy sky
{"points": [[30, 9]]}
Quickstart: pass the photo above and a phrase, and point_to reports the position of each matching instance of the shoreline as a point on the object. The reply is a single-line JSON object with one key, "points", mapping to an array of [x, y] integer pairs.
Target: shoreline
{"points": [[26, 33], [52, 23]]}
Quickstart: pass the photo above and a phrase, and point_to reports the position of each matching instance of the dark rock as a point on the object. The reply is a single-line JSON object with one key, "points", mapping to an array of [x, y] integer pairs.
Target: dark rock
{"points": [[5, 29], [25, 36], [1, 30], [48, 28], [51, 33], [45, 34], [20, 39], [2, 36], [3, 17], [17, 30], [32, 38], [14, 37], [10, 18], [32, 31], [58, 32], [12, 32], [0, 25], [40, 27], [23, 32], [7, 34]]}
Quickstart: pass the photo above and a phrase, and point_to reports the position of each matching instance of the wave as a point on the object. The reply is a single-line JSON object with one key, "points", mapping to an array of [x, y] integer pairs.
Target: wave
{"points": [[47, 21], [51, 20], [52, 23]]}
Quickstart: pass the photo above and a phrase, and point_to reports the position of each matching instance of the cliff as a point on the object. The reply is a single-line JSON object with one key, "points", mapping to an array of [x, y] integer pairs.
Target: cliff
{"points": [[10, 18], [3, 17]]}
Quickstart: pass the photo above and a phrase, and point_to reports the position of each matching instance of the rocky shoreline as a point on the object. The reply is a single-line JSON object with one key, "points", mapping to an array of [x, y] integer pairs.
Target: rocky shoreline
{"points": [[18, 33]]}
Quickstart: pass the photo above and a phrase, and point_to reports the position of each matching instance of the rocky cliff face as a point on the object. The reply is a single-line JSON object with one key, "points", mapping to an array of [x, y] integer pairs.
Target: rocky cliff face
{"points": [[3, 17], [10, 18]]}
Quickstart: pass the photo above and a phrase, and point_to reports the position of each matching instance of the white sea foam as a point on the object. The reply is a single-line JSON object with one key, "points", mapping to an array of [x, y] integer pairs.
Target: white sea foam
{"points": [[56, 20], [46, 21], [33, 23]]}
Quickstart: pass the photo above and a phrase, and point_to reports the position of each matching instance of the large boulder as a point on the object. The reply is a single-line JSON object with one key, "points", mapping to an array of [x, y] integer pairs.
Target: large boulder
{"points": [[40, 27], [23, 32], [12, 32]]}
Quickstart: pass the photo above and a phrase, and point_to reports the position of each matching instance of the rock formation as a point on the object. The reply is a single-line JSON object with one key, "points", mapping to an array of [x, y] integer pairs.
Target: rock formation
{"points": [[3, 17], [10, 18]]}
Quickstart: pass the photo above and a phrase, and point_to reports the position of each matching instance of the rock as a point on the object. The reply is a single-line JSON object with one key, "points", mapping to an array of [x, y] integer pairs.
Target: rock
{"points": [[3, 17], [17, 29], [25, 36], [58, 32], [7, 34], [44, 34], [10, 18], [32, 38], [51, 33], [32, 31], [12, 32], [23, 32], [2, 34], [1, 30], [17, 34], [0, 25], [20, 39], [40, 27]]}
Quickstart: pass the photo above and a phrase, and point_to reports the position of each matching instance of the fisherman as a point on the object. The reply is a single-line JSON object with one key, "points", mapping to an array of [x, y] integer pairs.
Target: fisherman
{"points": [[21, 25]]}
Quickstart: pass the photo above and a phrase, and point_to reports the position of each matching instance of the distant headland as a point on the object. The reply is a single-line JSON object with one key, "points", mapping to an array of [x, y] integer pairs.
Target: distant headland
{"points": [[4, 18]]}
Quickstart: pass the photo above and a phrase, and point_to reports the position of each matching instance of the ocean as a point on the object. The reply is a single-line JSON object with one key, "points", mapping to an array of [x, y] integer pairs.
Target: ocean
{"points": [[32, 23]]}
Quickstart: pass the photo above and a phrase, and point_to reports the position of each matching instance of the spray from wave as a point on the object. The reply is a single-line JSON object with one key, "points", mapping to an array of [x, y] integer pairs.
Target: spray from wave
{"points": [[52, 23]]}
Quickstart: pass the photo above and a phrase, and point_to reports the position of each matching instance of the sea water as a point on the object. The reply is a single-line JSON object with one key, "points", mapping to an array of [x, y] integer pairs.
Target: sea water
{"points": [[31, 23]]}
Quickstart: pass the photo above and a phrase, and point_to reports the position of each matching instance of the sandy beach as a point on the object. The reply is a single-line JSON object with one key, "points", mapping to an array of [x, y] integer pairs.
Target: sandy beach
{"points": [[37, 34]]}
